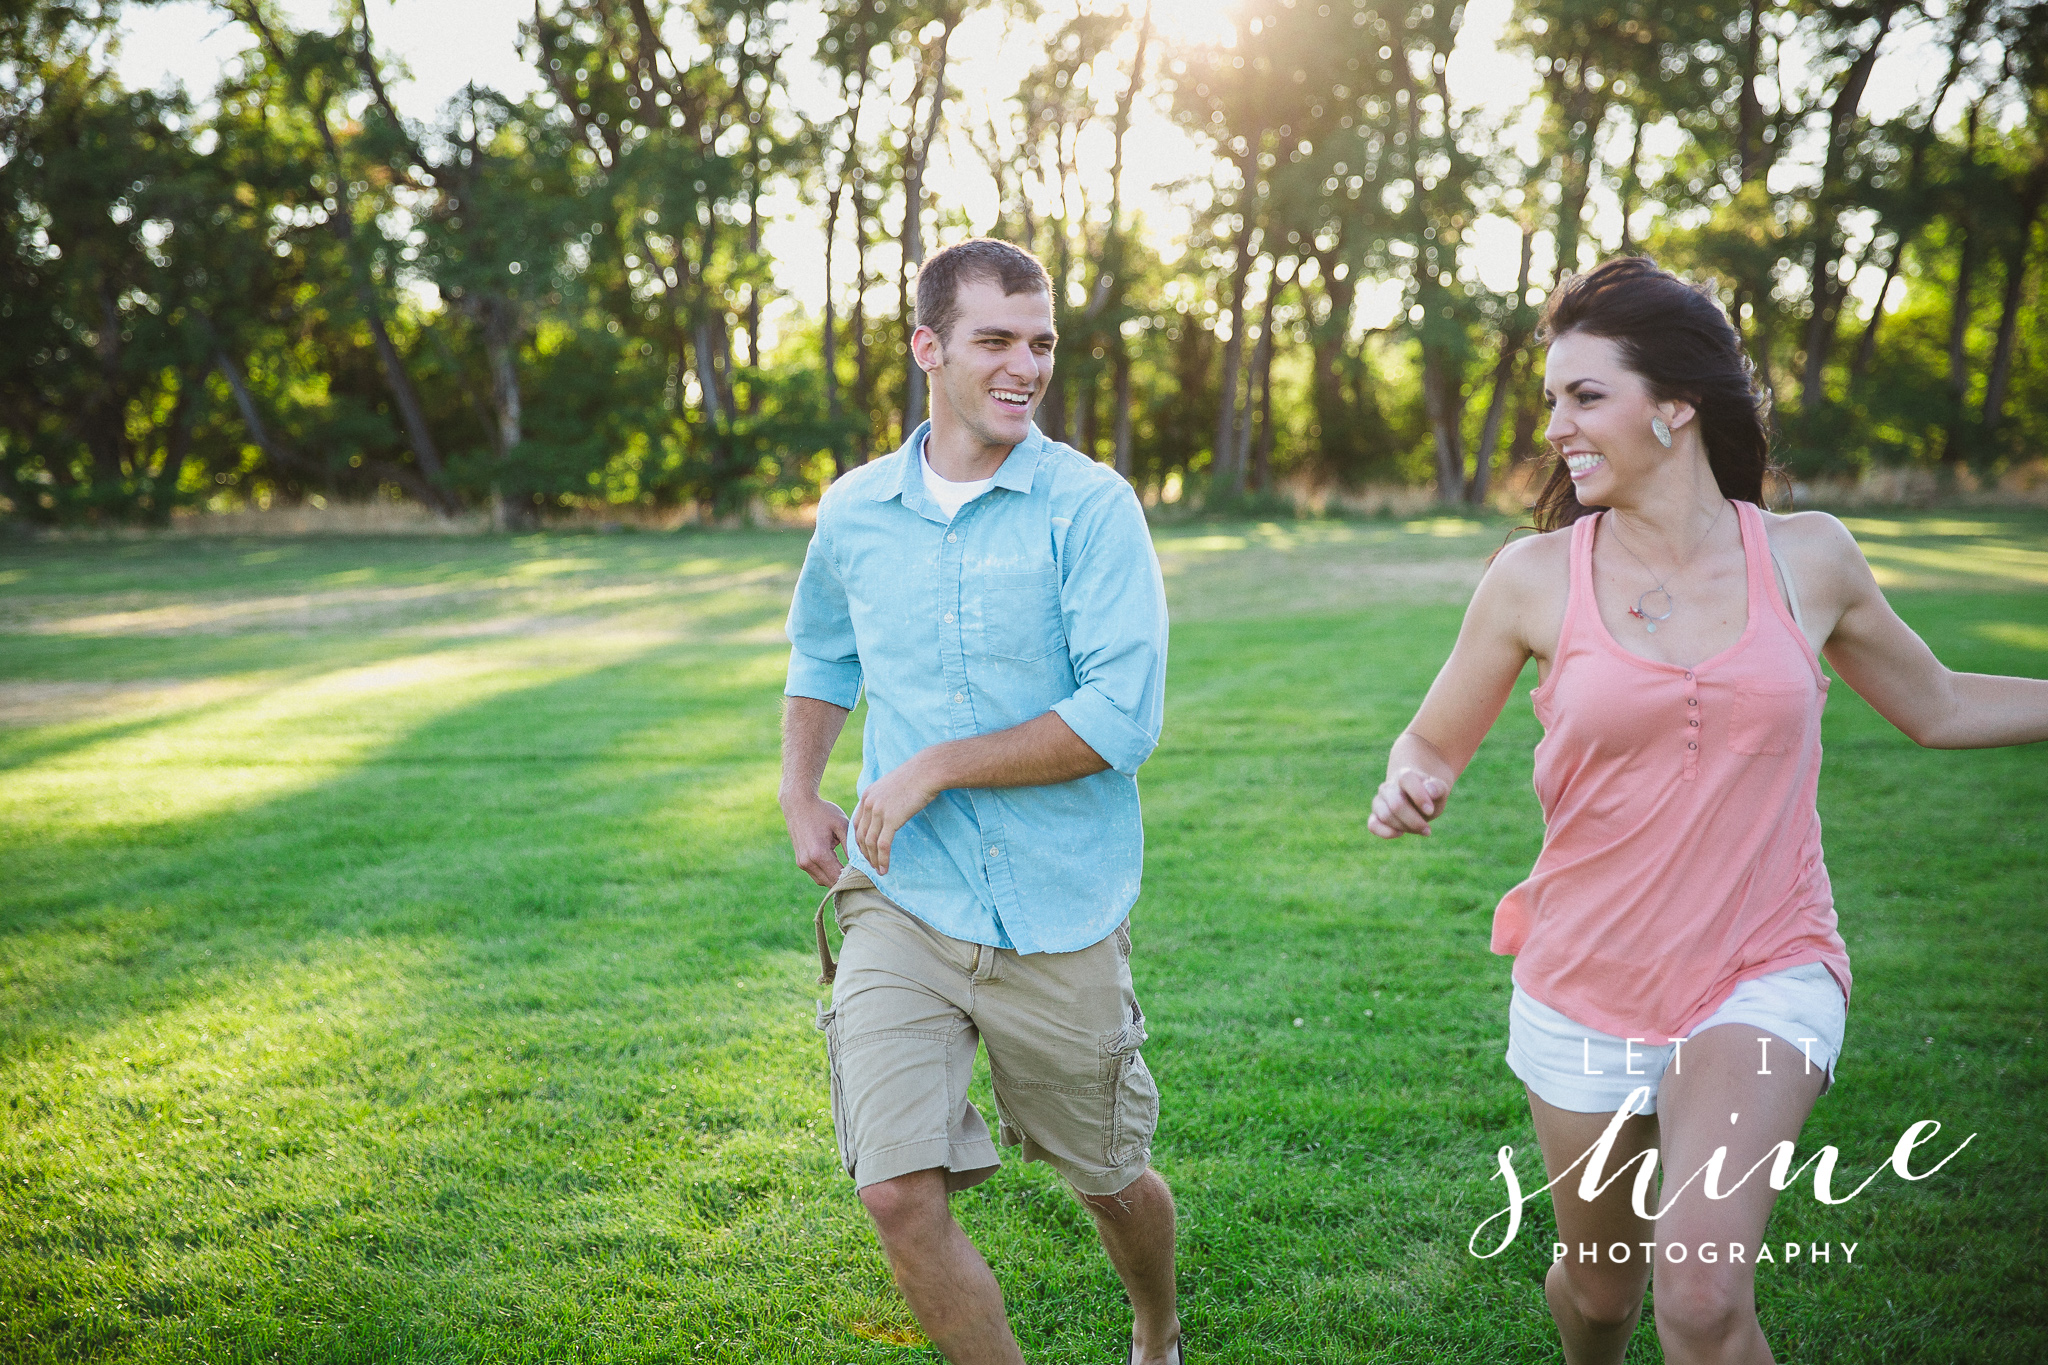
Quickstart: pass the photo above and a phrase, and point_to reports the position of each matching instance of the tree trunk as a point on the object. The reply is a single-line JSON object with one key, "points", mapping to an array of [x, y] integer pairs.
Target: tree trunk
{"points": [[1866, 349], [2016, 263], [1576, 175], [1441, 376], [1750, 151], [1956, 439], [342, 223], [163, 484], [1224, 477], [1631, 184], [917, 150], [840, 461], [1053, 418], [1123, 413], [1345, 441], [105, 417], [500, 324], [1259, 418], [1752, 159], [1528, 413], [1826, 290], [275, 452], [1440, 399], [1967, 20], [1513, 338], [863, 370], [753, 313]]}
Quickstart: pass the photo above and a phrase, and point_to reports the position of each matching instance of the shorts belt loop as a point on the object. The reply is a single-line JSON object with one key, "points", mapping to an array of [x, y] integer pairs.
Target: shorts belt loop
{"points": [[827, 967]]}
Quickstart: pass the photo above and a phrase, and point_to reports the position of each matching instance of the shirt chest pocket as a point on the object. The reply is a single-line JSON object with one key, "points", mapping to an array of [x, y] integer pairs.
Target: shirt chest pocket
{"points": [[1769, 720], [1020, 614]]}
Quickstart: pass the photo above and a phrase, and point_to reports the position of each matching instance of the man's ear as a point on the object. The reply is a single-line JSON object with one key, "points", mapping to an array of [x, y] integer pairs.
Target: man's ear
{"points": [[926, 350]]}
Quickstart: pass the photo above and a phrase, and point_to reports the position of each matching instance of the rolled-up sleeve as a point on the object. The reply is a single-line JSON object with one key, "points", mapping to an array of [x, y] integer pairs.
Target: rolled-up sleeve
{"points": [[824, 662], [1114, 604]]}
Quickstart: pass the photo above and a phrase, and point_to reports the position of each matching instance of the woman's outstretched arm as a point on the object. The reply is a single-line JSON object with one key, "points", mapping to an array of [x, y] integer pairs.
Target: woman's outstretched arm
{"points": [[1514, 614], [1893, 669]]}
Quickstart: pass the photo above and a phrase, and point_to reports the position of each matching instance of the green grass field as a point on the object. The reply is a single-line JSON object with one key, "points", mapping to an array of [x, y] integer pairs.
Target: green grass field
{"points": [[400, 961]]}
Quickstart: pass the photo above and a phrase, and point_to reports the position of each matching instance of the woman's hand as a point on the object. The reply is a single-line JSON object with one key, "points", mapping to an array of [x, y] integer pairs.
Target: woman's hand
{"points": [[1406, 802]]}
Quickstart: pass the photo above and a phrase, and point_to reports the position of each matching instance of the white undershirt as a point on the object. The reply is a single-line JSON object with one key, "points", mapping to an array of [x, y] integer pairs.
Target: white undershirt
{"points": [[950, 496]]}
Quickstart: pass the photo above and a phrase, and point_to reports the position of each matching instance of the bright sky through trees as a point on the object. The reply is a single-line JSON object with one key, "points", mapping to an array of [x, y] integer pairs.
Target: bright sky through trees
{"points": [[536, 253], [444, 43]]}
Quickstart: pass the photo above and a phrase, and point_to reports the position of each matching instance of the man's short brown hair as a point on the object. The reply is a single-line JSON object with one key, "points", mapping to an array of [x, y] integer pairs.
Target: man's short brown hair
{"points": [[939, 279]]}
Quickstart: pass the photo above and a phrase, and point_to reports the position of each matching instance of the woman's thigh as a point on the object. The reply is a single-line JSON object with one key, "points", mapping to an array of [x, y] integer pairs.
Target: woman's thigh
{"points": [[1722, 1117], [1606, 1253]]}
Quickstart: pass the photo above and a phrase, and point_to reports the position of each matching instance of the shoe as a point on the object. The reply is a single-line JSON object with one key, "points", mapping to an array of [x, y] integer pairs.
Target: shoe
{"points": [[1180, 1352]]}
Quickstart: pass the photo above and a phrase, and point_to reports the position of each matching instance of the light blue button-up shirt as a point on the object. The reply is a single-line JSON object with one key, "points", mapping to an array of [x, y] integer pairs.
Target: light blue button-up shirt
{"points": [[1043, 594]]}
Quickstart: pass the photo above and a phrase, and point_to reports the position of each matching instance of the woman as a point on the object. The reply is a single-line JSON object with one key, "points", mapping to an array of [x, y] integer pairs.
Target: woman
{"points": [[1677, 932]]}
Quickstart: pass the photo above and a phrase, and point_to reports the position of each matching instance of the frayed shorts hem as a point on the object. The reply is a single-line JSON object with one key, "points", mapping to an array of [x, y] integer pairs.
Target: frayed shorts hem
{"points": [[1091, 1180]]}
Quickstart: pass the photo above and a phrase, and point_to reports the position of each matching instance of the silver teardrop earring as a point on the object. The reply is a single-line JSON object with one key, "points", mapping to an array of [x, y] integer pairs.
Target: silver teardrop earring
{"points": [[1662, 431]]}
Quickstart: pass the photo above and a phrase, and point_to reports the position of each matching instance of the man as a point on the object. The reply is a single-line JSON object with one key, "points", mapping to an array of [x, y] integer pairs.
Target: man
{"points": [[997, 596]]}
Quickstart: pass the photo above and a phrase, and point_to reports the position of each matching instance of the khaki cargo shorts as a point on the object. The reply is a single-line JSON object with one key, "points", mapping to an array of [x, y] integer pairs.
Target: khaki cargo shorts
{"points": [[908, 1007]]}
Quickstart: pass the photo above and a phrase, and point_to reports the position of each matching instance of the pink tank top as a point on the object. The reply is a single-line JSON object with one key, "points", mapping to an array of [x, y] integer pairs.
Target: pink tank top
{"points": [[1681, 853]]}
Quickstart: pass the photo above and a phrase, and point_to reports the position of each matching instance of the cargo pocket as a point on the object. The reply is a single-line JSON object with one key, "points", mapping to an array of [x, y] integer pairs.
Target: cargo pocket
{"points": [[842, 1126], [1134, 1097]]}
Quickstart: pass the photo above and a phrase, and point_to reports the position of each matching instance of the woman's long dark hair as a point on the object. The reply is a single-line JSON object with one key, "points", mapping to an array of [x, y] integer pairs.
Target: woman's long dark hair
{"points": [[1679, 339]]}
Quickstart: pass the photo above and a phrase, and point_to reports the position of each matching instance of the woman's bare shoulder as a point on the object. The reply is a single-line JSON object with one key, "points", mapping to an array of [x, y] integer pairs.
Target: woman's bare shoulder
{"points": [[1815, 540], [1823, 558], [1524, 591], [1534, 559]]}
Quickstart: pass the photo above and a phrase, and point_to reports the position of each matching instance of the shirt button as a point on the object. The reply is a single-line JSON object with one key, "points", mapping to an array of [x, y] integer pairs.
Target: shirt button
{"points": [[952, 536], [959, 696], [949, 618], [995, 851]]}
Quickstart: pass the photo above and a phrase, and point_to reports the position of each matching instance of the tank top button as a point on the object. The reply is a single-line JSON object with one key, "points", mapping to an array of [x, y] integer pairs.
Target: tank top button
{"points": [[1691, 744], [1694, 724], [1688, 677]]}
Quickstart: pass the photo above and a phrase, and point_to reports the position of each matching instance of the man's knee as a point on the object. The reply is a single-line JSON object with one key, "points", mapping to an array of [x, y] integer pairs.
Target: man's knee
{"points": [[1134, 1200], [907, 1204]]}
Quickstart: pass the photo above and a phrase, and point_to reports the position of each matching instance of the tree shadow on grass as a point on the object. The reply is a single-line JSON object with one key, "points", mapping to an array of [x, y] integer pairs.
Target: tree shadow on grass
{"points": [[497, 1039]]}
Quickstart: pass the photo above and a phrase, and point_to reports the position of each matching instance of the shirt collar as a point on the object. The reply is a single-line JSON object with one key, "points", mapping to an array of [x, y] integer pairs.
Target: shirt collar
{"points": [[1016, 472]]}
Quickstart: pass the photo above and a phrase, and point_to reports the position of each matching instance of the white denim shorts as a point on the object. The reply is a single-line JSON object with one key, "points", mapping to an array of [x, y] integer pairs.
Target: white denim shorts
{"points": [[1586, 1071]]}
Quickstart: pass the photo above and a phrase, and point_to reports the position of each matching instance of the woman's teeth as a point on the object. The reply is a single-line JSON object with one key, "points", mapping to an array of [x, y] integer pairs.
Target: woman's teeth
{"points": [[1579, 464]]}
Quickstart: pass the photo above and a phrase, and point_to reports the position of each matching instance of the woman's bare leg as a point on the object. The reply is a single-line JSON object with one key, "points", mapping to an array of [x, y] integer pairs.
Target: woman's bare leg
{"points": [[1706, 1310], [1596, 1299]]}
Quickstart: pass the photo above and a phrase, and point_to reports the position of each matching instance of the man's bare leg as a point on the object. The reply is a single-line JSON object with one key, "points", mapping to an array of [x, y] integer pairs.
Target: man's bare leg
{"points": [[1136, 1225], [946, 1282]]}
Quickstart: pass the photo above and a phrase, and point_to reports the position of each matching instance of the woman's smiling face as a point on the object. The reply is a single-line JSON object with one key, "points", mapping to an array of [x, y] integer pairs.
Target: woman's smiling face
{"points": [[1600, 413]]}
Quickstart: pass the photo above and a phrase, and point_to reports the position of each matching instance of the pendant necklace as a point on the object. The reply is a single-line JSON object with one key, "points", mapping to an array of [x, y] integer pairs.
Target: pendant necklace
{"points": [[1641, 610]]}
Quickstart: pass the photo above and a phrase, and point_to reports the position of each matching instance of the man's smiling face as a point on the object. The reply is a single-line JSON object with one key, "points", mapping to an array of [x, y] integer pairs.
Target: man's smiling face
{"points": [[993, 367]]}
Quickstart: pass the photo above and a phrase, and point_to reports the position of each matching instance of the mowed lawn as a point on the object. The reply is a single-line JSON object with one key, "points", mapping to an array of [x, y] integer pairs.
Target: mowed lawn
{"points": [[400, 960]]}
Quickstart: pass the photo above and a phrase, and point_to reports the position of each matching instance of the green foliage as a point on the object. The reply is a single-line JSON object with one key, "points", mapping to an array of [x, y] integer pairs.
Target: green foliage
{"points": [[282, 287]]}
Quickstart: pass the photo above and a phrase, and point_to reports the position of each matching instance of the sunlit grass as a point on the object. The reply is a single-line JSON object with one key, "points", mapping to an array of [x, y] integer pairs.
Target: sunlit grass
{"points": [[2006, 549], [421, 976]]}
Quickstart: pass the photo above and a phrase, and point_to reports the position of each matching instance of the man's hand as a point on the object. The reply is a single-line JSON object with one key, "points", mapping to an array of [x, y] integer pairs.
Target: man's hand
{"points": [[816, 828], [886, 806]]}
